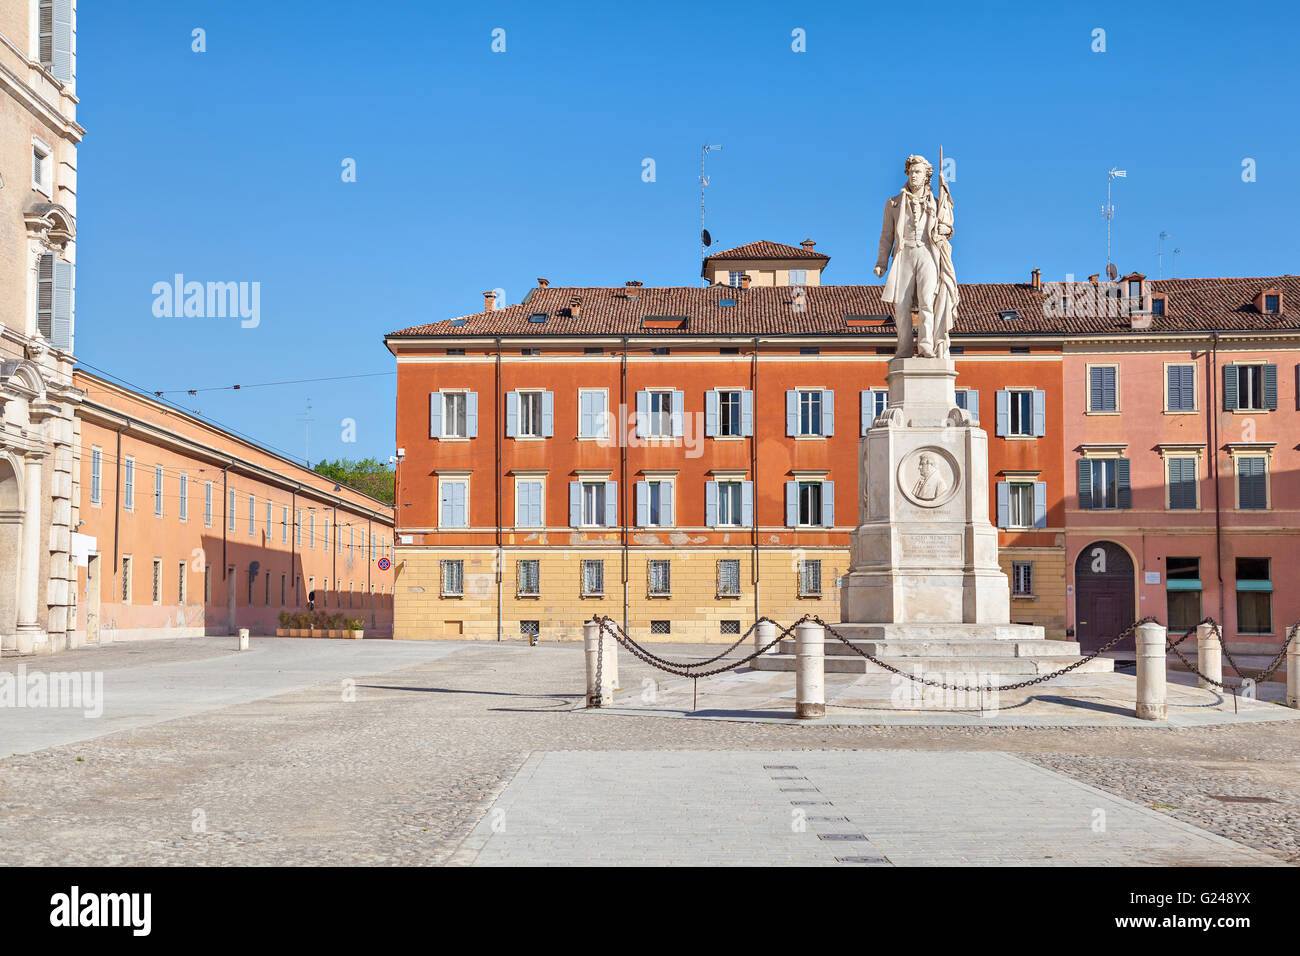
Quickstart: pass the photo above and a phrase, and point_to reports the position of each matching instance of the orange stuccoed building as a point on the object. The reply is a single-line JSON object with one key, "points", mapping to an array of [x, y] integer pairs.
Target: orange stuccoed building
{"points": [[686, 459], [187, 529]]}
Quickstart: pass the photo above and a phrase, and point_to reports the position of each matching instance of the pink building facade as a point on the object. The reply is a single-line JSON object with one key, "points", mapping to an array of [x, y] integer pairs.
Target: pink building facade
{"points": [[1183, 466]]}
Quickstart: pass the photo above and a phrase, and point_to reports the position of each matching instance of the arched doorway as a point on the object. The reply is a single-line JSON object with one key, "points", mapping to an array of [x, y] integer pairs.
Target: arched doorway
{"points": [[1103, 596], [11, 525]]}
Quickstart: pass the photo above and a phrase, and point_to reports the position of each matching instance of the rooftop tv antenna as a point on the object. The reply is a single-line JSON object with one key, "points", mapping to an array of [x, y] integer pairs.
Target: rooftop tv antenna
{"points": [[705, 239], [1160, 255], [307, 420], [1174, 270], [1108, 210]]}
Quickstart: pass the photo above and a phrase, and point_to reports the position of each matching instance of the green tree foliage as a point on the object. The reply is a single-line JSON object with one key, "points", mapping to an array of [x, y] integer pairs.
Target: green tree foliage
{"points": [[369, 476]]}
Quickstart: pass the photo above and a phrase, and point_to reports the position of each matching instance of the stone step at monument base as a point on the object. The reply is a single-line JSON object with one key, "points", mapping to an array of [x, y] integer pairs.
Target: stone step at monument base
{"points": [[1014, 649]]}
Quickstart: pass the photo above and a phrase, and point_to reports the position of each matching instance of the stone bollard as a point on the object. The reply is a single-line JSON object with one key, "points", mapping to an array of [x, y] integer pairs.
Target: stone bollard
{"points": [[764, 634], [1150, 640], [602, 696], [810, 671], [243, 638], [1209, 656], [1293, 673]]}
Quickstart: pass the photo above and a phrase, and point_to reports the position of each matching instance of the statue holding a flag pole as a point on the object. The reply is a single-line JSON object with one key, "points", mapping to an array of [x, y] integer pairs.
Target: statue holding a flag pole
{"points": [[916, 232]]}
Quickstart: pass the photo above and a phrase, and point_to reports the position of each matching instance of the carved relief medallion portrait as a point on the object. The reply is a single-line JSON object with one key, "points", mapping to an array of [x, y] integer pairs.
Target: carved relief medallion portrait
{"points": [[928, 477]]}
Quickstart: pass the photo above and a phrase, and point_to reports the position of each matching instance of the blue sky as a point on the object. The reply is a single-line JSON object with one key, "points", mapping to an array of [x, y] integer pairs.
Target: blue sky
{"points": [[478, 170]]}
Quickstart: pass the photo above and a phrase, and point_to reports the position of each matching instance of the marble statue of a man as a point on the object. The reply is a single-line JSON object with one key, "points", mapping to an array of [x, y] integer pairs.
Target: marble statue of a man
{"points": [[915, 232]]}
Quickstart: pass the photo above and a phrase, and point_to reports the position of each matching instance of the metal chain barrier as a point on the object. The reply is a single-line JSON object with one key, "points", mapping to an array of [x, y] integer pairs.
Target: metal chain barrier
{"points": [[962, 688], [1260, 678], [688, 669]]}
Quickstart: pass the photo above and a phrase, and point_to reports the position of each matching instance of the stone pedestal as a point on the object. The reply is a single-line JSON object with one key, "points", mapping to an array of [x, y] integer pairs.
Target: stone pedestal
{"points": [[924, 549], [924, 587]]}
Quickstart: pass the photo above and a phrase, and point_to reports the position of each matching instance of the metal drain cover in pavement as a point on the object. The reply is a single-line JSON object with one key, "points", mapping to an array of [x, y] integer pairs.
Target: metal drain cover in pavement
{"points": [[1228, 798]]}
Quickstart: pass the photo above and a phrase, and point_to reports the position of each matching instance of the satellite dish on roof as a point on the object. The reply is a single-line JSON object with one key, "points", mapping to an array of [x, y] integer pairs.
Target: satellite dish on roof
{"points": [[705, 237], [1111, 272]]}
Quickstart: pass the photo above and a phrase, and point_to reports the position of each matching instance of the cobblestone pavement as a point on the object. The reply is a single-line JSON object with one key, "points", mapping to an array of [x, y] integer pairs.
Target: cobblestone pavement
{"points": [[406, 771]]}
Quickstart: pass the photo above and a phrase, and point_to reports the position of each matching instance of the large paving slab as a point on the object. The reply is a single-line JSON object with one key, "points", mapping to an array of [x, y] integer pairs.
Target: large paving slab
{"points": [[799, 807], [148, 682]]}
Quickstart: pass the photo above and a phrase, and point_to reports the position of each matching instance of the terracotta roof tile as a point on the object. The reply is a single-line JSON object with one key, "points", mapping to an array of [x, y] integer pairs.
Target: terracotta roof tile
{"points": [[1225, 304], [763, 249]]}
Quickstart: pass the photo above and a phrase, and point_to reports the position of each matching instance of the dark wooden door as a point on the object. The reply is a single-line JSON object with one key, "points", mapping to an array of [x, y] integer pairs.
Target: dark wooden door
{"points": [[1103, 599]]}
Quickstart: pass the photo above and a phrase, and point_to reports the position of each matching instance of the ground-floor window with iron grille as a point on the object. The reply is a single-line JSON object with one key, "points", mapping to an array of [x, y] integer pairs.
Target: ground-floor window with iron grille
{"points": [[180, 582], [157, 580], [730, 627], [529, 628], [1022, 578], [593, 578], [729, 578], [810, 577], [529, 573], [660, 573], [661, 627], [453, 578]]}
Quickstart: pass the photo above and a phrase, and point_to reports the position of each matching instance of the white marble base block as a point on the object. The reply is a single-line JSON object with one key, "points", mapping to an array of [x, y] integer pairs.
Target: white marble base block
{"points": [[924, 549]]}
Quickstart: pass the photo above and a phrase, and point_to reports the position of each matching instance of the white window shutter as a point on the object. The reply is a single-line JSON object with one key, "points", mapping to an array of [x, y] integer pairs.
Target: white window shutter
{"points": [[792, 504], [792, 413], [548, 414], [711, 503], [611, 504], [642, 414], [575, 503], [678, 417], [710, 414], [471, 414], [64, 285], [747, 413], [828, 413], [435, 414], [512, 414]]}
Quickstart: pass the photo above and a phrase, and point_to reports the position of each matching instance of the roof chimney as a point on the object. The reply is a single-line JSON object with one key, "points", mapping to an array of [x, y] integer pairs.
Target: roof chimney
{"points": [[489, 301], [632, 289], [1036, 279], [744, 281], [575, 306], [543, 283], [808, 244], [1094, 277]]}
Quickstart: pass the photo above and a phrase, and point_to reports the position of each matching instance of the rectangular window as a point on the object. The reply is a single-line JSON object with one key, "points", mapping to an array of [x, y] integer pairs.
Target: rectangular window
{"points": [[530, 414], [729, 627], [729, 577], [1105, 485], [298, 529], [530, 629], [733, 279], [529, 573], [266, 583], [42, 168], [1181, 473], [1022, 579], [96, 468], [1254, 596], [730, 512], [270, 520], [593, 578], [1180, 388], [661, 414], [1022, 412], [798, 276], [326, 541], [252, 580], [453, 578], [810, 412], [157, 490], [1183, 593], [810, 503], [659, 504], [180, 583], [207, 584], [311, 530], [1252, 482], [284, 582], [230, 505], [156, 595], [183, 505], [252, 516], [729, 413], [128, 484], [1272, 303], [1103, 395], [455, 415], [592, 414], [661, 627], [593, 503], [454, 505], [1020, 501], [126, 579], [207, 504], [528, 503], [810, 577], [284, 524], [1250, 387], [880, 401], [660, 578]]}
